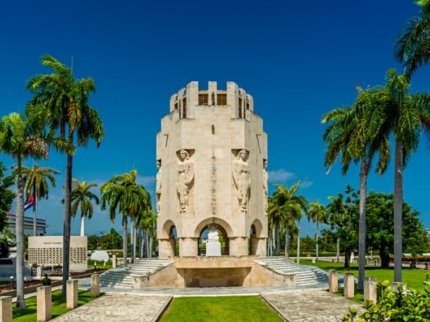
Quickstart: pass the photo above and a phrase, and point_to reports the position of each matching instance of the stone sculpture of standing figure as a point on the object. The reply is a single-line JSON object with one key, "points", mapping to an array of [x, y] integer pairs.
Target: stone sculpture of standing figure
{"points": [[185, 179], [265, 186], [241, 179], [158, 186]]}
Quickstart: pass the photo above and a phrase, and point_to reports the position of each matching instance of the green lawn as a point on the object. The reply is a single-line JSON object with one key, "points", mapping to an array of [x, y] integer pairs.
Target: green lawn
{"points": [[414, 278], [220, 309], [29, 314]]}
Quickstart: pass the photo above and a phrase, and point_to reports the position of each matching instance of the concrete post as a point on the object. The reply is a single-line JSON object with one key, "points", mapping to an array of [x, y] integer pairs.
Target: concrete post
{"points": [[6, 308], [44, 303], [395, 287], [370, 289], [95, 285], [348, 285], [113, 261], [72, 294], [333, 282]]}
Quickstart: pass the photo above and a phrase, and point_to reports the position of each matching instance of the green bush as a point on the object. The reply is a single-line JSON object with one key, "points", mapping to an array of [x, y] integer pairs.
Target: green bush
{"points": [[396, 306]]}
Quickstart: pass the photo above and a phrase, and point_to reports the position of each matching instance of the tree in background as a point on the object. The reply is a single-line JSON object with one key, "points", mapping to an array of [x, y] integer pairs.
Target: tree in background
{"points": [[381, 227], [122, 194], [36, 182], [6, 196], [343, 219], [317, 213], [66, 101], [83, 198]]}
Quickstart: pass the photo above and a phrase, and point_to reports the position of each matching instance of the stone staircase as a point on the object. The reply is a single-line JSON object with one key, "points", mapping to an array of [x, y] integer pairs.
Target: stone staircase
{"points": [[123, 277], [306, 276]]}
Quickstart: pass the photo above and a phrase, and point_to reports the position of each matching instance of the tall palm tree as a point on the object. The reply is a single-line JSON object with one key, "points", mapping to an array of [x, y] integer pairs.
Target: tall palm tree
{"points": [[20, 139], [316, 213], [147, 224], [411, 47], [276, 217], [356, 134], [36, 180], [289, 207], [405, 116], [82, 198], [66, 100], [122, 194]]}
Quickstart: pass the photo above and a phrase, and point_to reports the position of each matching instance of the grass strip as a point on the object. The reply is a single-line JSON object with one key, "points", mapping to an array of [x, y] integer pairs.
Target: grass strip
{"points": [[29, 314], [220, 309]]}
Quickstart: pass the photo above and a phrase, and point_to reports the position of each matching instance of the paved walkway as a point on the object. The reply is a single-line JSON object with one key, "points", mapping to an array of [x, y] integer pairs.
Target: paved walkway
{"points": [[116, 307]]}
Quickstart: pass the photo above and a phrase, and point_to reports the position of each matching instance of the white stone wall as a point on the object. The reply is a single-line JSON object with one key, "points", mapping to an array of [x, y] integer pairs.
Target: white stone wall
{"points": [[48, 250], [212, 135]]}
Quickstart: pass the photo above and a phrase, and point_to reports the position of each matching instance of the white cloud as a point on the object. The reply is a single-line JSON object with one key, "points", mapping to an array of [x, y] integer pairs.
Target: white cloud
{"points": [[305, 184], [280, 175]]}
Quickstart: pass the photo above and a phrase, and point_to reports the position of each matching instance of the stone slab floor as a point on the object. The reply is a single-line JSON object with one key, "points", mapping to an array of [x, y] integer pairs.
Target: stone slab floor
{"points": [[310, 305], [116, 307]]}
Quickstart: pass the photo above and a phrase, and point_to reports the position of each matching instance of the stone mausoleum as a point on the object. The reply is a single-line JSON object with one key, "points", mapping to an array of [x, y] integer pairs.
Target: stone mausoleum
{"points": [[211, 156]]}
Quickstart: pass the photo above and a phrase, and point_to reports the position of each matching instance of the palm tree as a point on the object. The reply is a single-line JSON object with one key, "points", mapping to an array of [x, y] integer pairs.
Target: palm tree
{"points": [[147, 224], [405, 116], [357, 135], [36, 180], [316, 213], [411, 47], [122, 194], [66, 100], [20, 138], [82, 198], [288, 207]]}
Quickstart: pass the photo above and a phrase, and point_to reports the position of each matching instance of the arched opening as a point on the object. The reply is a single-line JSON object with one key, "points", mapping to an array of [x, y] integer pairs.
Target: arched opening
{"points": [[257, 244], [204, 238], [167, 240]]}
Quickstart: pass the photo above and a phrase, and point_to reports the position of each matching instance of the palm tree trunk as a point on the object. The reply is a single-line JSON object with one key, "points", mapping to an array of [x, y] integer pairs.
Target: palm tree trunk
{"points": [[338, 250], [398, 202], [278, 240], [287, 241], [150, 246], [82, 225], [316, 244], [34, 212], [362, 225], [298, 241], [20, 241], [67, 221], [132, 238], [124, 239]]}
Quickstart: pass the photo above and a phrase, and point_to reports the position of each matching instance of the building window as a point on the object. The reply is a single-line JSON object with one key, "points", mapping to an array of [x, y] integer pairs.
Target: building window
{"points": [[176, 106], [203, 99], [184, 108], [240, 114], [222, 99]]}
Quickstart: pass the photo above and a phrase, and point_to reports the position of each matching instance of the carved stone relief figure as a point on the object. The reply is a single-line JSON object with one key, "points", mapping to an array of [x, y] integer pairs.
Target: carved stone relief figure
{"points": [[158, 186], [185, 179], [241, 179], [265, 186]]}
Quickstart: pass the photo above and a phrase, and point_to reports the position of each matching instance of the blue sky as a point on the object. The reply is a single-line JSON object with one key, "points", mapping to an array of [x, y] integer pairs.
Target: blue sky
{"points": [[298, 59]]}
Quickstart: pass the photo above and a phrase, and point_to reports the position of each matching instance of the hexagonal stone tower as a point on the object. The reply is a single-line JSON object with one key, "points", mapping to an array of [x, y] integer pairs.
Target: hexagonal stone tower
{"points": [[211, 155]]}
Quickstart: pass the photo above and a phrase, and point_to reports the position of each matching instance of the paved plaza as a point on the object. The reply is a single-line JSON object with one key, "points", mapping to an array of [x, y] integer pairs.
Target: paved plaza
{"points": [[293, 304]]}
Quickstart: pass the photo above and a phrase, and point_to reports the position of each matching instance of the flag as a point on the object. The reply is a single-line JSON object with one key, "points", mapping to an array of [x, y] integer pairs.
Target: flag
{"points": [[29, 203]]}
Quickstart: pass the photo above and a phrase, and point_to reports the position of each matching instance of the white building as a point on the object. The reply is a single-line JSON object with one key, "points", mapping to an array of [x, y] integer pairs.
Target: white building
{"points": [[28, 225]]}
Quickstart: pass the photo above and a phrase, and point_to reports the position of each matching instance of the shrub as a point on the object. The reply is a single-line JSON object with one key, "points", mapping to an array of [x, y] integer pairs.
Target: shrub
{"points": [[396, 306]]}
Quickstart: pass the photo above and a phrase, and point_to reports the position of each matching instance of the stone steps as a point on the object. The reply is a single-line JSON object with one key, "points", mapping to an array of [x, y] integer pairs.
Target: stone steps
{"points": [[305, 275], [123, 277]]}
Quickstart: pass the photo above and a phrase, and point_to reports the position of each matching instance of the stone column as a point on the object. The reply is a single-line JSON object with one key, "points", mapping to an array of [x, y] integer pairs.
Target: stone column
{"points": [[188, 247], [333, 282], [113, 261], [370, 289], [72, 294], [261, 246], [165, 249], [395, 287], [95, 285], [238, 246], [348, 285], [44, 303], [6, 308]]}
